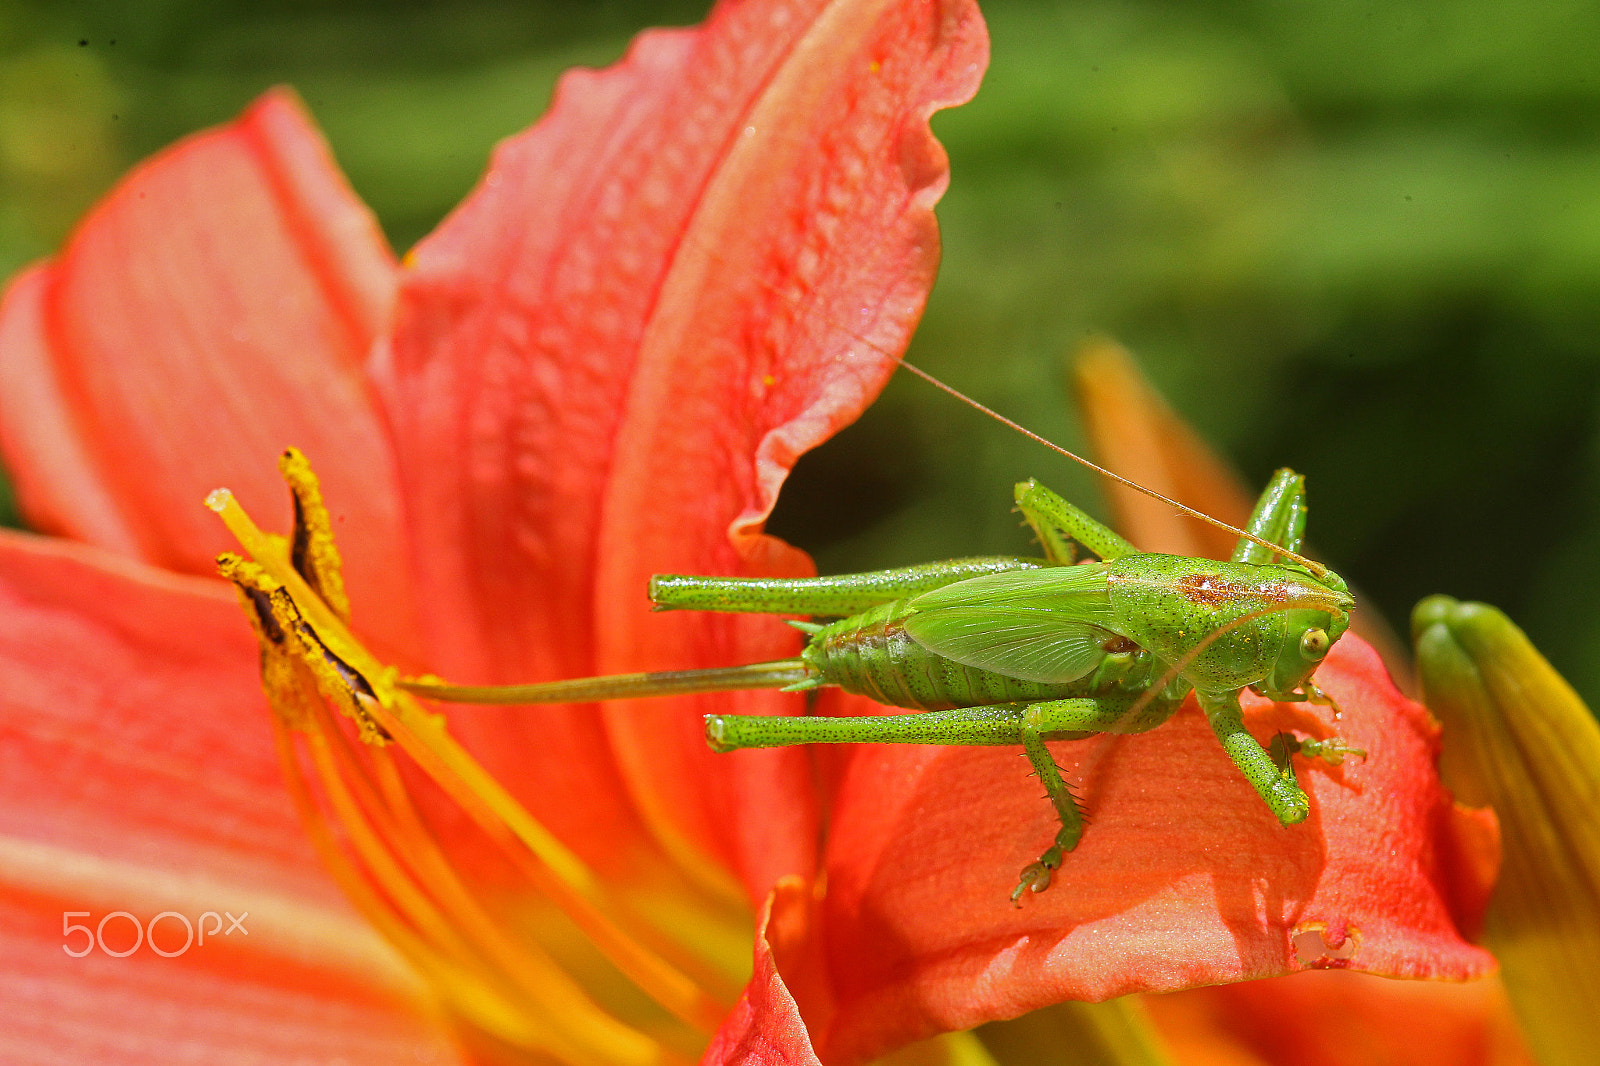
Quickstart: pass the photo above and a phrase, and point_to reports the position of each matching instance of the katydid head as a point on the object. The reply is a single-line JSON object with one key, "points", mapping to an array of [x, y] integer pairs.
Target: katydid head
{"points": [[1224, 626], [1310, 628]]}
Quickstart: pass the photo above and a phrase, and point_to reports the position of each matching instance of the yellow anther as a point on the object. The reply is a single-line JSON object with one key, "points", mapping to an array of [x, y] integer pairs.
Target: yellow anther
{"points": [[335, 679], [289, 689], [312, 550]]}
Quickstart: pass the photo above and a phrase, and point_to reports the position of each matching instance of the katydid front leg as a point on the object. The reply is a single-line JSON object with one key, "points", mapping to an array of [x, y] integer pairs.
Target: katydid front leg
{"points": [[1332, 751], [1307, 693], [1279, 518], [1272, 775], [1282, 794]]}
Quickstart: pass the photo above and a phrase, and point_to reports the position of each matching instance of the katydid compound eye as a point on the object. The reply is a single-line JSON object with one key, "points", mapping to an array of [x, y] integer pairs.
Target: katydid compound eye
{"points": [[1314, 645]]}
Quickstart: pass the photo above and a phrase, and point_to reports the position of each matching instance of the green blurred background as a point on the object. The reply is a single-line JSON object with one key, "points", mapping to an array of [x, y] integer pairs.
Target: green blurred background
{"points": [[1359, 239]]}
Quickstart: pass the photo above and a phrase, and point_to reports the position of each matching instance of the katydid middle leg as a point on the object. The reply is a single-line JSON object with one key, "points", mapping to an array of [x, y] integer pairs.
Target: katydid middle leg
{"points": [[1057, 719], [1000, 724]]}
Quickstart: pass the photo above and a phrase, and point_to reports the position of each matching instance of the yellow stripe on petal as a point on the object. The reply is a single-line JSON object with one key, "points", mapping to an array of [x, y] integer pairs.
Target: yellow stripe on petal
{"points": [[1519, 739]]}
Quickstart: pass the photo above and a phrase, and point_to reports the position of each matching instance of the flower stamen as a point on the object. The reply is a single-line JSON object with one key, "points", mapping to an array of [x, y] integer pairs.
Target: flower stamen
{"points": [[371, 837]]}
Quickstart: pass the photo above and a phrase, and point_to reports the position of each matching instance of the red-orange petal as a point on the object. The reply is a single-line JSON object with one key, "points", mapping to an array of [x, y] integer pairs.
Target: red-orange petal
{"points": [[812, 250], [1183, 877], [214, 308], [139, 777], [610, 356], [765, 1027]]}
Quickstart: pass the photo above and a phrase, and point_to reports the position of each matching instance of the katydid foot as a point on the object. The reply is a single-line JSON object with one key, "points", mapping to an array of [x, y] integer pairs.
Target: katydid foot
{"points": [[1037, 876], [1332, 751]]}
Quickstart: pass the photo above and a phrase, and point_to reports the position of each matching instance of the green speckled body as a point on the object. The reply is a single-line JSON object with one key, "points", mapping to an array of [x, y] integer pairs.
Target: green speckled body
{"points": [[1006, 650]]}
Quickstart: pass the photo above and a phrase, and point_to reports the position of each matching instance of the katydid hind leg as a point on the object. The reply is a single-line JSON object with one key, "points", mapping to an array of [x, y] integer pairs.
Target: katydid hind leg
{"points": [[981, 726], [999, 724], [828, 596], [1057, 522], [1279, 518], [984, 726]]}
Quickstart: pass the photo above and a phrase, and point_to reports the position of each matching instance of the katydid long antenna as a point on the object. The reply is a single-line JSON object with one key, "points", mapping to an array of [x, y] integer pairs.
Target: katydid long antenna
{"points": [[1316, 569]]}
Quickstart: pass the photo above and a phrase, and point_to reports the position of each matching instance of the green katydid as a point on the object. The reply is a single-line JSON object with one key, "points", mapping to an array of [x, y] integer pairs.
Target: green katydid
{"points": [[1020, 651]]}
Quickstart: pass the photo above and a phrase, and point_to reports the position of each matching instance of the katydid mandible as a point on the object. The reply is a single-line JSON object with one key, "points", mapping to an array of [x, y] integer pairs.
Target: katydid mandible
{"points": [[1000, 650]]}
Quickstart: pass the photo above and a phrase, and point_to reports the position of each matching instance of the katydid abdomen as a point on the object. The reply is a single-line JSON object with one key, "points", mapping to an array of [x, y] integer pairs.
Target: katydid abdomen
{"points": [[872, 655]]}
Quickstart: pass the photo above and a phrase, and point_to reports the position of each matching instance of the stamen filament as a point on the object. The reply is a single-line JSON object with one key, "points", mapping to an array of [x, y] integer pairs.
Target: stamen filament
{"points": [[396, 820], [496, 813], [552, 867], [379, 860], [542, 989], [461, 987]]}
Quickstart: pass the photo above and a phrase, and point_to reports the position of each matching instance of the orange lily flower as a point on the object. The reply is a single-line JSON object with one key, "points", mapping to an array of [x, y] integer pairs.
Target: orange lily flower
{"points": [[600, 367]]}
